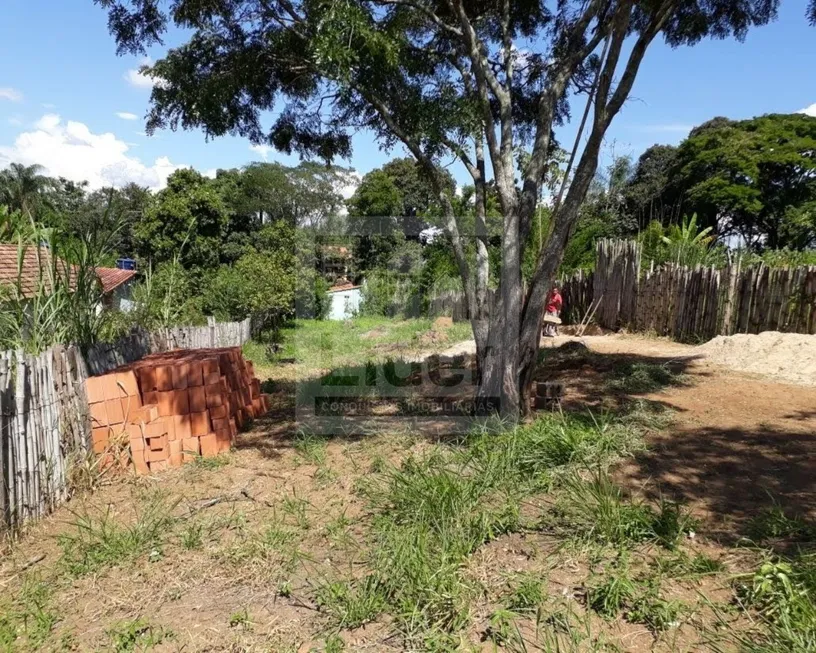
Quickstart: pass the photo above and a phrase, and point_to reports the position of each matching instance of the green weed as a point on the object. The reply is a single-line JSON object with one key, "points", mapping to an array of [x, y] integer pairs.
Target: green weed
{"points": [[352, 604], [527, 596], [773, 523], [240, 619], [311, 448], [28, 616], [615, 591], [137, 635], [98, 540], [334, 644], [642, 378], [598, 510], [656, 613]]}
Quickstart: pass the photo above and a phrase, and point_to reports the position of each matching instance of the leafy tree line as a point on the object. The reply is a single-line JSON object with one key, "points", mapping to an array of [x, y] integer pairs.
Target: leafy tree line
{"points": [[244, 242], [746, 185]]}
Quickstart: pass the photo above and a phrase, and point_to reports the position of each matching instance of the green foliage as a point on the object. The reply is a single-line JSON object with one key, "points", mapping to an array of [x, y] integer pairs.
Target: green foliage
{"points": [[642, 378], [685, 244], [27, 618], [96, 541], [63, 305], [782, 591], [387, 293], [754, 177], [136, 635], [166, 298], [596, 510], [188, 217], [352, 605], [615, 591]]}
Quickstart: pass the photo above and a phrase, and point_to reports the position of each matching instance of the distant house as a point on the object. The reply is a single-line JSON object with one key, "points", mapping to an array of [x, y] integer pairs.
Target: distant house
{"points": [[30, 276], [117, 287], [336, 262], [345, 300]]}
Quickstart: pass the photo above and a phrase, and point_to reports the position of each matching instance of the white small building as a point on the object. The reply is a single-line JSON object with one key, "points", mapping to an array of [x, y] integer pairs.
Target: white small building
{"points": [[345, 300]]}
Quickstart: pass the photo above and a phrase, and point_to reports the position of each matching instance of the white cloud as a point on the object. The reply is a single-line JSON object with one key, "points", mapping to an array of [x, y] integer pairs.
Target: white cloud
{"points": [[351, 180], [263, 150], [70, 149], [125, 115], [15, 121], [809, 111], [10, 94], [136, 78]]}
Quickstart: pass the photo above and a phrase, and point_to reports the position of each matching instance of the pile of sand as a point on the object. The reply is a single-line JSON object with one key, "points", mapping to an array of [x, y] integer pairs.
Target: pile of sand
{"points": [[786, 356]]}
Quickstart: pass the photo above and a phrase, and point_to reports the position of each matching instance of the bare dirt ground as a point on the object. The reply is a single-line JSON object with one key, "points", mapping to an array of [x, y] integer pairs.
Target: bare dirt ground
{"points": [[255, 537]]}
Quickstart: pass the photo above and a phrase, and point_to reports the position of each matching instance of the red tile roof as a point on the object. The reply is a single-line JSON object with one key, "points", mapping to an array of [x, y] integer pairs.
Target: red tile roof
{"points": [[25, 273], [344, 285], [112, 278]]}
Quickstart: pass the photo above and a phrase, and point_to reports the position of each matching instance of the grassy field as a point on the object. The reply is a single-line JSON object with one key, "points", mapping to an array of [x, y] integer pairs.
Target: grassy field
{"points": [[506, 539]]}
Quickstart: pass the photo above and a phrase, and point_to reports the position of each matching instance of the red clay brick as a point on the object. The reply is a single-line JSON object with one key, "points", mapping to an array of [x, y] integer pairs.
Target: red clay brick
{"points": [[212, 378], [215, 400], [144, 415], [190, 449], [197, 399], [139, 462], [155, 429], [218, 412], [137, 443], [175, 453], [165, 403], [130, 406], [223, 441], [95, 389], [100, 437], [150, 397], [219, 423], [147, 379], [195, 376], [157, 455], [164, 378], [209, 445], [98, 414], [113, 407], [110, 387], [181, 402], [158, 466], [233, 427], [199, 423], [181, 425], [157, 442], [210, 366], [128, 386], [180, 374]]}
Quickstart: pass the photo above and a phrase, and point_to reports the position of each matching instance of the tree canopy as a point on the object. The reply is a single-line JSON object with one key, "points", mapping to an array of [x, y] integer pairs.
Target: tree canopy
{"points": [[753, 178], [445, 79]]}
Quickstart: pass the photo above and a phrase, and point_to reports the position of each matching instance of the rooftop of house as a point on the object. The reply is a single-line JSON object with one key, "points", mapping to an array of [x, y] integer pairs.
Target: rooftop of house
{"points": [[342, 285], [112, 278], [31, 271]]}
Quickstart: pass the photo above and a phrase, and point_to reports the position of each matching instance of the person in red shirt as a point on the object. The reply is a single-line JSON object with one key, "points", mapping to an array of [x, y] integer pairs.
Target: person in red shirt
{"points": [[554, 303]]}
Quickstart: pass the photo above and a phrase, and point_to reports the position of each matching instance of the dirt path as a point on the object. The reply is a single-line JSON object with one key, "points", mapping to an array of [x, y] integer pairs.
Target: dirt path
{"points": [[738, 441]]}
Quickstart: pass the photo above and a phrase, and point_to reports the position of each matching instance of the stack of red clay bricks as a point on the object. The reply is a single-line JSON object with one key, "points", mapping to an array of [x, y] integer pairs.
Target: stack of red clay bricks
{"points": [[170, 408]]}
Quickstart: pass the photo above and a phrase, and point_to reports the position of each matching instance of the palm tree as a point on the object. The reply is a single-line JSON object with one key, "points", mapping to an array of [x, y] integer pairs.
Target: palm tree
{"points": [[22, 188]]}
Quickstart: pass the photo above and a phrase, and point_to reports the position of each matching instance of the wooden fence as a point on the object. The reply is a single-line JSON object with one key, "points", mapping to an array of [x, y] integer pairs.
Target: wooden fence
{"points": [[107, 356], [44, 412], [43, 420], [703, 302], [683, 303]]}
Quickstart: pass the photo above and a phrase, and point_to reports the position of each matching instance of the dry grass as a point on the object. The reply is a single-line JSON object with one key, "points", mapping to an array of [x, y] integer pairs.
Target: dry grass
{"points": [[517, 542]]}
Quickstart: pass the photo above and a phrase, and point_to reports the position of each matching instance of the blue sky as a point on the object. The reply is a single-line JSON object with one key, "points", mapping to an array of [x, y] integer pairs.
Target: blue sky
{"points": [[68, 102]]}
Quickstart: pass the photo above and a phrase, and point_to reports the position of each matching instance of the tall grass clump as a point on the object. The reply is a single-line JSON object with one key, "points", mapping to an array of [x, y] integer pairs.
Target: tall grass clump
{"points": [[782, 593], [96, 541], [437, 509]]}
